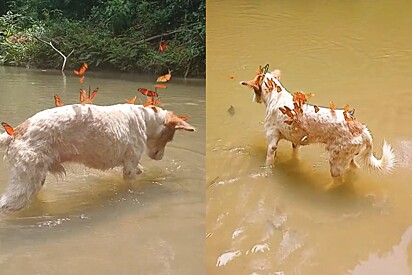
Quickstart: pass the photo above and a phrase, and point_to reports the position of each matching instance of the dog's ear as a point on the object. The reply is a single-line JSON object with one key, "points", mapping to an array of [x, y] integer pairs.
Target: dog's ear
{"points": [[254, 83], [177, 123], [250, 84], [276, 73]]}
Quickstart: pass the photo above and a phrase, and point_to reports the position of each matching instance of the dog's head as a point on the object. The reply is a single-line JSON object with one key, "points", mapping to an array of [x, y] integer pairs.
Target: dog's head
{"points": [[155, 145], [256, 84]]}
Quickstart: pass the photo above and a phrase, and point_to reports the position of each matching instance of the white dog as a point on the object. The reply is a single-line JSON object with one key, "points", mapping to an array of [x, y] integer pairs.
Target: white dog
{"points": [[100, 137], [343, 136]]}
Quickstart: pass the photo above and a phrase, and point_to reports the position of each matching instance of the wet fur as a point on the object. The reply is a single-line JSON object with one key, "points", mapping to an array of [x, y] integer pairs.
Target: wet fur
{"points": [[100, 137], [343, 139]]}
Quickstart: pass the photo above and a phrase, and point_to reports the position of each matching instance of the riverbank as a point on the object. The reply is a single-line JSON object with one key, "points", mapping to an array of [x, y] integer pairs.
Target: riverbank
{"points": [[116, 35]]}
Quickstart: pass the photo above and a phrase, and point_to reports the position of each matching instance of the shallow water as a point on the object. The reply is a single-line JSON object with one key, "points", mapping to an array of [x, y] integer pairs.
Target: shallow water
{"points": [[91, 222], [280, 220]]}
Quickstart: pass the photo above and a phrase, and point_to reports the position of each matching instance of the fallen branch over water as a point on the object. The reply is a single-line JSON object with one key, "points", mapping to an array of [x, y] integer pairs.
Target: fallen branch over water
{"points": [[54, 48]]}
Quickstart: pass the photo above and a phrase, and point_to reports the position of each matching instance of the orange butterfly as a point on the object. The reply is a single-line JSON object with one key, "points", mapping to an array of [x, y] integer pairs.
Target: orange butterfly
{"points": [[82, 95], [231, 76], [160, 86], [131, 101], [57, 101], [147, 92], [81, 79], [152, 101], [283, 110], [289, 112], [84, 100], [82, 70], [345, 113], [162, 46], [270, 85], [297, 108], [8, 128], [332, 106], [165, 78]]}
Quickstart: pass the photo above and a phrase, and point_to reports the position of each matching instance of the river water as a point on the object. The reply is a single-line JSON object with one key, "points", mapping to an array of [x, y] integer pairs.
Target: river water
{"points": [[91, 222], [281, 220]]}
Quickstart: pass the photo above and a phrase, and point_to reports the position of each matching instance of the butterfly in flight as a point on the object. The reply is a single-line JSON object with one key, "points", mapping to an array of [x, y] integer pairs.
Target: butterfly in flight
{"points": [[162, 46], [82, 70], [147, 92], [165, 78]]}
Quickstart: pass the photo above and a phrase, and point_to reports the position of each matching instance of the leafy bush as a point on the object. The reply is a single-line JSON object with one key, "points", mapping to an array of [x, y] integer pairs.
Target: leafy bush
{"points": [[113, 34]]}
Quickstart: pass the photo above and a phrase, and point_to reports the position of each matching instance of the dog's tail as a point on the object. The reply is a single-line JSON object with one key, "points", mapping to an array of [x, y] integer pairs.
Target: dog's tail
{"points": [[5, 139], [366, 157]]}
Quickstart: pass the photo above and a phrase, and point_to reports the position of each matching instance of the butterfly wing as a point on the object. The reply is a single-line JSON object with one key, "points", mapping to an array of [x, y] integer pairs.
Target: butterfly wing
{"points": [[161, 78], [143, 91], [93, 94], [57, 101], [82, 95], [8, 128], [162, 46], [160, 86], [131, 101]]}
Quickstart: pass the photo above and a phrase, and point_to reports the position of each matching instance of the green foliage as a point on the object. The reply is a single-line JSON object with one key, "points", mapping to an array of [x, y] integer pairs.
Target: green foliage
{"points": [[113, 34]]}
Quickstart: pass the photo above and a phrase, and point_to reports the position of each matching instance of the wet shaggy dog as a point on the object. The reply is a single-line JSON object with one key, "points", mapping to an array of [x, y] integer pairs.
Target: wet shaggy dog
{"points": [[343, 138], [100, 137]]}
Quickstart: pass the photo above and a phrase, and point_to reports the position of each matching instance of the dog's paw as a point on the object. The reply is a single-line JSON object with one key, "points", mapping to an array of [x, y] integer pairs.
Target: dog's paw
{"points": [[270, 163], [139, 169]]}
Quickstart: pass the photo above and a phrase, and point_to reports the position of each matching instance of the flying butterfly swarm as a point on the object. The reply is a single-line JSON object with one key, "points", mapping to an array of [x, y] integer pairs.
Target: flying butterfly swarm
{"points": [[152, 97]]}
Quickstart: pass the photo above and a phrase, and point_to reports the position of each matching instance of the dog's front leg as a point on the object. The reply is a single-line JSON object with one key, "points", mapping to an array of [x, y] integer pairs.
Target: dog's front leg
{"points": [[272, 148], [131, 165], [139, 169], [130, 171]]}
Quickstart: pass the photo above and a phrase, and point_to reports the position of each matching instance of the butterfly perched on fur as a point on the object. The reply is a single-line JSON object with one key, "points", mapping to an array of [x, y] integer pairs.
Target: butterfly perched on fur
{"points": [[8, 128], [131, 101], [87, 100], [57, 101]]}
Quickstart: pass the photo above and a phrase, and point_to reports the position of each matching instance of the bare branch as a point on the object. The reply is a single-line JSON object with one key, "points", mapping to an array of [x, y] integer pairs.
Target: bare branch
{"points": [[54, 48]]}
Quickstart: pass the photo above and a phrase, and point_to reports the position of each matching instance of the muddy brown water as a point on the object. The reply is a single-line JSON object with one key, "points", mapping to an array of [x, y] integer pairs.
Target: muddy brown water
{"points": [[91, 222], [280, 220]]}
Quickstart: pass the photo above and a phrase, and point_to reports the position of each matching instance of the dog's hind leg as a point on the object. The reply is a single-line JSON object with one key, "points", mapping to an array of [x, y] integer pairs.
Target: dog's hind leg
{"points": [[353, 164], [336, 181], [339, 162], [21, 188]]}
